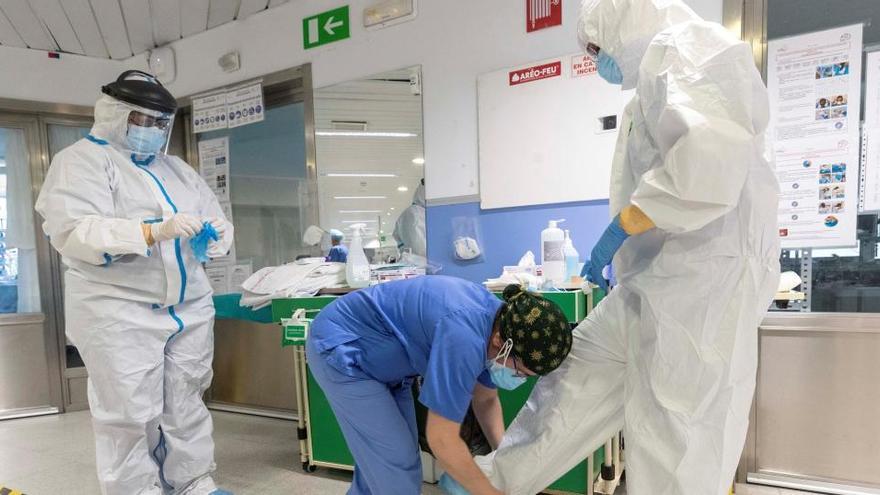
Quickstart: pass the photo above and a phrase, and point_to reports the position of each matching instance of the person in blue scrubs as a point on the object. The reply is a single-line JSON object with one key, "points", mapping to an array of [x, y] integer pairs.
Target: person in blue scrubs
{"points": [[366, 348], [338, 253]]}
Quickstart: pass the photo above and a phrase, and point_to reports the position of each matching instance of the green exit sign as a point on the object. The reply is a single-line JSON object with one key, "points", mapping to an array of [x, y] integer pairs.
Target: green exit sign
{"points": [[326, 27]]}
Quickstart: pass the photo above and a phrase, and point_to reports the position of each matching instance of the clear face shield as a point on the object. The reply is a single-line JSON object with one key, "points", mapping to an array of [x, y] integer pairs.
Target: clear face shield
{"points": [[148, 131]]}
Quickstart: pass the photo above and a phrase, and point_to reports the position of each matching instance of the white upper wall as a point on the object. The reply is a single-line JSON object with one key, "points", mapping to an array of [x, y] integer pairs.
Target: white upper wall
{"points": [[453, 40], [32, 75]]}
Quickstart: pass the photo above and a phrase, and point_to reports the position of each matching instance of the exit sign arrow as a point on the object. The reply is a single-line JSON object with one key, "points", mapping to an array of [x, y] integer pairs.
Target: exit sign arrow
{"points": [[326, 27], [330, 26]]}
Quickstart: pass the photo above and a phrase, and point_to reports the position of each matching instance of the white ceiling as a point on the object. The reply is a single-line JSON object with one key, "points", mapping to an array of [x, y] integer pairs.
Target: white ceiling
{"points": [[115, 29]]}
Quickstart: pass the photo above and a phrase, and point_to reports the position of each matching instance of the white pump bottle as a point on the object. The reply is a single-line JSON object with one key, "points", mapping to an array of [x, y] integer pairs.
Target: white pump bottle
{"points": [[357, 268], [552, 253], [572, 258]]}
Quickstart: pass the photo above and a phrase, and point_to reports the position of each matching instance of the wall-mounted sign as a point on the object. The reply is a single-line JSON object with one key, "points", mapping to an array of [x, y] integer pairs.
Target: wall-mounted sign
{"points": [[233, 107], [536, 73], [582, 65], [541, 14], [814, 81], [326, 27], [209, 113], [244, 105]]}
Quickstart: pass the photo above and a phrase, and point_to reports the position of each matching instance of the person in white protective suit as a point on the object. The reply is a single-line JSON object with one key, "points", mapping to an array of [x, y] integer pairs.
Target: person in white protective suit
{"points": [[670, 355], [409, 230], [137, 302]]}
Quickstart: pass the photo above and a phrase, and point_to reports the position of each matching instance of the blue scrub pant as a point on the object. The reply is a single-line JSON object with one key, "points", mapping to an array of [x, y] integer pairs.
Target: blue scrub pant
{"points": [[378, 421]]}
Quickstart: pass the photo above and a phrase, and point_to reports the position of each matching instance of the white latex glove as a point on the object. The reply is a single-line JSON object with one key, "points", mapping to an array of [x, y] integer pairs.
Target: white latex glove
{"points": [[179, 226], [225, 232]]}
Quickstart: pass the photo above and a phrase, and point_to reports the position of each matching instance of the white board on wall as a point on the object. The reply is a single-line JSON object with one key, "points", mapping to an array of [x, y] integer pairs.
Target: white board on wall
{"points": [[541, 134]]}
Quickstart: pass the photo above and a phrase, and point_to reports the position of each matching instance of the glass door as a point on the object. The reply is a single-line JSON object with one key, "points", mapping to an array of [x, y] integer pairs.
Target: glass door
{"points": [[61, 133], [28, 356]]}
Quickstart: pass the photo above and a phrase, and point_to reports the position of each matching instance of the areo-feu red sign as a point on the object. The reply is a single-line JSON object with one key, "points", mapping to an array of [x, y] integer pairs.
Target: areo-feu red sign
{"points": [[536, 73]]}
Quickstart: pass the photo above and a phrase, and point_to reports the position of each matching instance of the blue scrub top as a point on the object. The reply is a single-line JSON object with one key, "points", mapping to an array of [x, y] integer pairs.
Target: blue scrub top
{"points": [[434, 326], [337, 254]]}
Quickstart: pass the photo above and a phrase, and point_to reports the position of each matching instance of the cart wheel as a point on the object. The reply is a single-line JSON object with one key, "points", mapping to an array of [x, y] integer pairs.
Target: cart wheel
{"points": [[607, 472], [309, 468]]}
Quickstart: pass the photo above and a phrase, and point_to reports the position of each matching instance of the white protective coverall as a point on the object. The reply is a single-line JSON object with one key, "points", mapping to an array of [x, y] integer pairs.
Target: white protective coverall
{"points": [[141, 317], [410, 227], [670, 355]]}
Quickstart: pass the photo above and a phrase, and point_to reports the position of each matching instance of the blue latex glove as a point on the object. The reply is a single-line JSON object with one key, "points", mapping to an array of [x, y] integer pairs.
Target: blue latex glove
{"points": [[603, 253], [220, 492], [450, 486], [199, 242]]}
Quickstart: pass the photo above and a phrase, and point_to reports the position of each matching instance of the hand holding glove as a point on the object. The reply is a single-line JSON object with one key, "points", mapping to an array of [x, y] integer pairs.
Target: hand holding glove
{"points": [[179, 226], [221, 246], [603, 252], [630, 221], [219, 226]]}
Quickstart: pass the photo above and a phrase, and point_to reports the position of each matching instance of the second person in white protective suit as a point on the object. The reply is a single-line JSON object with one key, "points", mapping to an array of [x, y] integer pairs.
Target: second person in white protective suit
{"points": [[409, 230], [670, 355], [137, 301]]}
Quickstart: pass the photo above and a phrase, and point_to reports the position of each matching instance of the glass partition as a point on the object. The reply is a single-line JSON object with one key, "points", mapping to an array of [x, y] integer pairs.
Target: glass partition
{"points": [[846, 279], [59, 137], [267, 186], [19, 280], [370, 161]]}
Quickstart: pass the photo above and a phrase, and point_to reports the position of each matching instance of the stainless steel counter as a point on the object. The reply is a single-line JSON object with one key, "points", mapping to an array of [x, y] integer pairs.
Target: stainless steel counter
{"points": [[816, 417], [252, 372]]}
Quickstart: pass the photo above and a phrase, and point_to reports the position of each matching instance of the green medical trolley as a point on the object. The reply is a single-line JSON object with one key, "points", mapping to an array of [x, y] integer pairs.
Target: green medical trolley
{"points": [[321, 441]]}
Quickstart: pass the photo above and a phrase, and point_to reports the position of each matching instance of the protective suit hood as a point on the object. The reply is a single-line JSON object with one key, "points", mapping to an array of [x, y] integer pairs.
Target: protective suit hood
{"points": [[111, 121], [419, 196], [624, 28]]}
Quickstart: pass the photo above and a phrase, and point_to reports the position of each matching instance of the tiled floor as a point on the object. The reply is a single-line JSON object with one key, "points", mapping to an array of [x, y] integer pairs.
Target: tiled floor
{"points": [[54, 455]]}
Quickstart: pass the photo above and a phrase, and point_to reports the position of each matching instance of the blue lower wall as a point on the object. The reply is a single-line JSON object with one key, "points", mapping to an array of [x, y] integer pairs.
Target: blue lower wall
{"points": [[508, 233]]}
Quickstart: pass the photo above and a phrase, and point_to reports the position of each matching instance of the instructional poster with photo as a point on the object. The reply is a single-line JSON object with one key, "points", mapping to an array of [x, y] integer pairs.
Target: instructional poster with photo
{"points": [[817, 200], [238, 273], [214, 166], [209, 113], [812, 79], [244, 105], [219, 278]]}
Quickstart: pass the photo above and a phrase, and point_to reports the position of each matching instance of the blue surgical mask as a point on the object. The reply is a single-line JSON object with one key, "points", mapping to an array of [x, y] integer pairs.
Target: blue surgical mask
{"points": [[608, 69], [145, 140], [502, 376]]}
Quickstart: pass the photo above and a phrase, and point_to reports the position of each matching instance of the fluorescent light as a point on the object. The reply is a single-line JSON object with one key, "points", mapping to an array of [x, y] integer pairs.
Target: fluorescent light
{"points": [[366, 134], [355, 174], [419, 161], [392, 208], [403, 189], [360, 197], [360, 211], [358, 221]]}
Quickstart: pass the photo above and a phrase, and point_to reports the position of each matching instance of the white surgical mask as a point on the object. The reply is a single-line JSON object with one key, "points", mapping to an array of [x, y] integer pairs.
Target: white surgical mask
{"points": [[145, 140]]}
